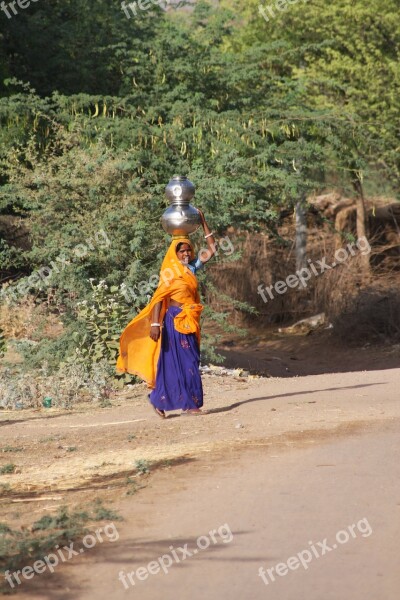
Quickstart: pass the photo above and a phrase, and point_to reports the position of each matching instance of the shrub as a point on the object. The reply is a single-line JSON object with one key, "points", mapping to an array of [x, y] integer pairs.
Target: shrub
{"points": [[102, 320], [71, 383], [8, 468]]}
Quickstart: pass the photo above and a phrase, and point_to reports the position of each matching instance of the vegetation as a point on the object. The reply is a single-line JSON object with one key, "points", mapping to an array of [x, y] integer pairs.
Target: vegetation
{"points": [[98, 111], [142, 466], [8, 468], [22, 547]]}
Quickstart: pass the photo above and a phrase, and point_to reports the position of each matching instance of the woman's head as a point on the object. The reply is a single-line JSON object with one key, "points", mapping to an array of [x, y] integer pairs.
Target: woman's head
{"points": [[175, 260], [184, 252]]}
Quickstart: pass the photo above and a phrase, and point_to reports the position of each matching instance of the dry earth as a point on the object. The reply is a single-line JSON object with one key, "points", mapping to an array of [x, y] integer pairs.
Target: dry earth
{"points": [[70, 457], [252, 422]]}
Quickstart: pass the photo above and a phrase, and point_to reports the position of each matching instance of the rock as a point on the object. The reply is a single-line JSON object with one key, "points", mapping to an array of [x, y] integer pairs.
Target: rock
{"points": [[305, 326], [221, 371]]}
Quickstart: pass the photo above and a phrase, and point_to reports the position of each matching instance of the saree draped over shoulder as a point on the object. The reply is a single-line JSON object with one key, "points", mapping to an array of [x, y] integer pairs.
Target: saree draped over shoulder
{"points": [[139, 354]]}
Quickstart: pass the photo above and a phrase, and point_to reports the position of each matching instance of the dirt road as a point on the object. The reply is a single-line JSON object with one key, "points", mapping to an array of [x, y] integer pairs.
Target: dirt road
{"points": [[308, 510]]}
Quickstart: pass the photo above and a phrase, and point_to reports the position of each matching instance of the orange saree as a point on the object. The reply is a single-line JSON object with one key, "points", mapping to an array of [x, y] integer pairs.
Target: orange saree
{"points": [[139, 354]]}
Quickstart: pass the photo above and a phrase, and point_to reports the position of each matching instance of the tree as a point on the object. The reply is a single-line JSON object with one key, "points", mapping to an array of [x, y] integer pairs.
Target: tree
{"points": [[347, 54]]}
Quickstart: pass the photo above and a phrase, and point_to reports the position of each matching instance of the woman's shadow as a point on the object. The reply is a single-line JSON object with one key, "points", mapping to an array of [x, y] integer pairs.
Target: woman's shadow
{"points": [[288, 395]]}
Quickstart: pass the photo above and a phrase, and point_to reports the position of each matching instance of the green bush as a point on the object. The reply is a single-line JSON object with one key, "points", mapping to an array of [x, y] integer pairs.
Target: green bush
{"points": [[7, 469], [101, 320], [19, 548]]}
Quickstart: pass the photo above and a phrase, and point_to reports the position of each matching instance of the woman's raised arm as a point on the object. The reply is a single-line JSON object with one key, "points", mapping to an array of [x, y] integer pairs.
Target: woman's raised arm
{"points": [[209, 236]]}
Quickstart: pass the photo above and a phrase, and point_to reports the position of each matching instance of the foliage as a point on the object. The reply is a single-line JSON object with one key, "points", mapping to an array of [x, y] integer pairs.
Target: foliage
{"points": [[74, 46], [101, 513], [102, 321], [142, 466], [133, 487], [347, 57], [97, 113], [59, 520], [22, 547], [70, 384], [11, 449], [8, 468]]}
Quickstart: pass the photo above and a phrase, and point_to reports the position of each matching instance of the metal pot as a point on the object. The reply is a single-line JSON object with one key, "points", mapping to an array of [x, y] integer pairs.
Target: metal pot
{"points": [[181, 218]]}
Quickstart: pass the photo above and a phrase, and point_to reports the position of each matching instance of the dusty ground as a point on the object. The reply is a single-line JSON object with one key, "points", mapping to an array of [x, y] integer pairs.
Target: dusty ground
{"points": [[274, 354], [251, 423], [312, 393], [73, 456]]}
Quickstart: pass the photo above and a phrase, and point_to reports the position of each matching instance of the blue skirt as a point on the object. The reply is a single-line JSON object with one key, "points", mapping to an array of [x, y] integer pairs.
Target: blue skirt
{"points": [[178, 381]]}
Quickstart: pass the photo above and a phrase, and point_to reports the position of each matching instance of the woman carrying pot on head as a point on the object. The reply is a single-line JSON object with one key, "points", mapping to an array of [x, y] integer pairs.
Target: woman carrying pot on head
{"points": [[161, 345]]}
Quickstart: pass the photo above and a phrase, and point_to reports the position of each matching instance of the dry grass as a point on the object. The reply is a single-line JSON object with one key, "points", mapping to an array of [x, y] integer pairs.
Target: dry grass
{"points": [[28, 320], [373, 316], [364, 298]]}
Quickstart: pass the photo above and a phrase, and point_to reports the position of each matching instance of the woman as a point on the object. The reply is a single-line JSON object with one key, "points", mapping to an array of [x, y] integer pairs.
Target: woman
{"points": [[162, 343]]}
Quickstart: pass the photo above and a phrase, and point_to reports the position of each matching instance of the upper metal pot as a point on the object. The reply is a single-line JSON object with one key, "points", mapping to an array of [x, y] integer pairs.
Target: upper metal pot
{"points": [[180, 190], [181, 218]]}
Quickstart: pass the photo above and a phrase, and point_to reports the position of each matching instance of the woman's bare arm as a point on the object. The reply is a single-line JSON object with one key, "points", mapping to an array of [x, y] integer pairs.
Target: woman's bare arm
{"points": [[155, 331], [211, 247]]}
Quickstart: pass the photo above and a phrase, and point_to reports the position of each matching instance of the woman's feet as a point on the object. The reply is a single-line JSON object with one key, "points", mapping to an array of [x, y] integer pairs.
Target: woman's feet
{"points": [[161, 413], [191, 412], [194, 412]]}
